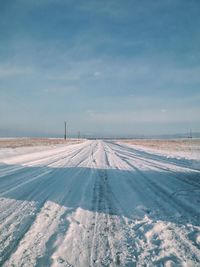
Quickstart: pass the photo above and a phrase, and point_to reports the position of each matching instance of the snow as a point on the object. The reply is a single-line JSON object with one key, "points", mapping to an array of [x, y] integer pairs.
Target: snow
{"points": [[178, 148], [98, 203]]}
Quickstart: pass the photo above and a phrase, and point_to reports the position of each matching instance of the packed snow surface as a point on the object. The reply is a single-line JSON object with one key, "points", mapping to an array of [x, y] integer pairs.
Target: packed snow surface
{"points": [[97, 204]]}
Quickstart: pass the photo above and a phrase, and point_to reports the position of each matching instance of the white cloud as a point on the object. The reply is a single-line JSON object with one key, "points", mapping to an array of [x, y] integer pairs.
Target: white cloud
{"points": [[144, 116], [9, 70], [97, 73], [63, 77]]}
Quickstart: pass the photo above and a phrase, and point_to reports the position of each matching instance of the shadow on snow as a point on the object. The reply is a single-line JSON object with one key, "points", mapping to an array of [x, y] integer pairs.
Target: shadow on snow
{"points": [[160, 195]]}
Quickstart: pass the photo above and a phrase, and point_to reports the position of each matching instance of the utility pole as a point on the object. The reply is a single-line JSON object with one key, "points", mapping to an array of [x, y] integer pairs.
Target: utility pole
{"points": [[190, 133], [65, 136], [79, 134]]}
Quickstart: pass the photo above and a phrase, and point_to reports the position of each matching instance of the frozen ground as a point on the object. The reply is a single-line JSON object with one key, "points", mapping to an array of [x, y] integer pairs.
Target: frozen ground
{"points": [[33, 142], [188, 148], [99, 204]]}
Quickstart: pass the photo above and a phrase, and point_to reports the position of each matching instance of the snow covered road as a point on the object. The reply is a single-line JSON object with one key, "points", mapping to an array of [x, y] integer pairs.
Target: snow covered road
{"points": [[98, 204]]}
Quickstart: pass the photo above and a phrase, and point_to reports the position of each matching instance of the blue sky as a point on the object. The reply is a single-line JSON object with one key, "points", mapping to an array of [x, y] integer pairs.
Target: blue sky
{"points": [[108, 67]]}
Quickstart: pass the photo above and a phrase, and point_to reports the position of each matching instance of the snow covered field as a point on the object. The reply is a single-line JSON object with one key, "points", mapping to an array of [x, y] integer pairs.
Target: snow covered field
{"points": [[30, 142], [97, 204], [188, 148]]}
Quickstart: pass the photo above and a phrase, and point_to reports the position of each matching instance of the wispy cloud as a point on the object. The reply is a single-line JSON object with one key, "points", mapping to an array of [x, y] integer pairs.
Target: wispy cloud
{"points": [[10, 71], [144, 116]]}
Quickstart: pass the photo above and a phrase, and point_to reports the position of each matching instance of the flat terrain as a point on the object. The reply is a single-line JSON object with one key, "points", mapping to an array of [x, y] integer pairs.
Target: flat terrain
{"points": [[29, 142], [180, 145], [98, 204]]}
